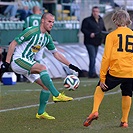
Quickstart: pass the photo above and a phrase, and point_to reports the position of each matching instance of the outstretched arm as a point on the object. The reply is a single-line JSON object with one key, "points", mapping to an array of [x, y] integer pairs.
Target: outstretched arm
{"points": [[62, 59]]}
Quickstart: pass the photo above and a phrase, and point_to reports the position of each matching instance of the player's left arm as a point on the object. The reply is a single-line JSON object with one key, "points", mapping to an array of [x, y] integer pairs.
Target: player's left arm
{"points": [[51, 47], [60, 57]]}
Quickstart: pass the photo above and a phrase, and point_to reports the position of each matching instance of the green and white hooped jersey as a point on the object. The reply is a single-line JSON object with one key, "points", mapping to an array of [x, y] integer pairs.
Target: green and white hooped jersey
{"points": [[33, 20], [31, 41]]}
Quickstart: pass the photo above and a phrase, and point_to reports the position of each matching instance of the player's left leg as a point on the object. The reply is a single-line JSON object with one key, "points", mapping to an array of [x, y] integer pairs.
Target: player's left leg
{"points": [[126, 102], [47, 81], [98, 97], [126, 105]]}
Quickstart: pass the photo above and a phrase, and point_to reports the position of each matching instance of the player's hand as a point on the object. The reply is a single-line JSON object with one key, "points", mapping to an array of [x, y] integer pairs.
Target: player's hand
{"points": [[4, 67], [75, 68], [103, 86]]}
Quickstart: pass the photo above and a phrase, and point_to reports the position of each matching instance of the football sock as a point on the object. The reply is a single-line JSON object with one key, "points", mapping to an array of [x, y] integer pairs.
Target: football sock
{"points": [[126, 104], [44, 96], [98, 97], [47, 81]]}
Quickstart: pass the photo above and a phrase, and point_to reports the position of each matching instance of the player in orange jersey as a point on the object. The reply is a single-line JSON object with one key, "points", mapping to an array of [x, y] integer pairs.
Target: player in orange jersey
{"points": [[116, 67]]}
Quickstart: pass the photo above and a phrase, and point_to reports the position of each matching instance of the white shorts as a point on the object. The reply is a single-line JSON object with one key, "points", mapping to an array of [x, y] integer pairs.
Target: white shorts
{"points": [[22, 70]]}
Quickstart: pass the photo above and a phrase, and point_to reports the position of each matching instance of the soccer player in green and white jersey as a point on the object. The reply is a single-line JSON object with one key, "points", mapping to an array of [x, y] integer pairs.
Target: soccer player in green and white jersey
{"points": [[23, 49], [34, 19]]}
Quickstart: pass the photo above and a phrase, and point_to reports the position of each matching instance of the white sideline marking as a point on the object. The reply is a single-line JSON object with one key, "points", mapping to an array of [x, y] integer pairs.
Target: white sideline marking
{"points": [[78, 98]]}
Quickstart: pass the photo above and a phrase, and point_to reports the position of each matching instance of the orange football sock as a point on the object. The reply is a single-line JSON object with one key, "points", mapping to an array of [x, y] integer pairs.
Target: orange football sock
{"points": [[98, 97], [126, 104]]}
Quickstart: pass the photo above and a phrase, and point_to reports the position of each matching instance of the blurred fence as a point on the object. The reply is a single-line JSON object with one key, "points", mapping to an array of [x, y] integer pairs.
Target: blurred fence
{"points": [[7, 25], [63, 31], [66, 31], [66, 25]]}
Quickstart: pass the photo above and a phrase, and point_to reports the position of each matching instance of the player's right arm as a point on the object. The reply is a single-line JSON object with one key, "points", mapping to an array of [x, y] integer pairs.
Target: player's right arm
{"points": [[6, 64], [10, 51], [18, 40], [22, 37]]}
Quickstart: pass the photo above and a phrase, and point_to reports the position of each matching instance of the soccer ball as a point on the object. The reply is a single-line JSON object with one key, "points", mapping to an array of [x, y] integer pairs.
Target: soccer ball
{"points": [[71, 82]]}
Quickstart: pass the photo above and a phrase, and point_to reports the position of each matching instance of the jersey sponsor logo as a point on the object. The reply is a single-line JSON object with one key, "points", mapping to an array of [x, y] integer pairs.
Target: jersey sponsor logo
{"points": [[36, 48]]}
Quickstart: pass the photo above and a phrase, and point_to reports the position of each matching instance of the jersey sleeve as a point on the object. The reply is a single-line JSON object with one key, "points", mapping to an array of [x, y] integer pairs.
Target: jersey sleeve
{"points": [[50, 46], [106, 58], [23, 36]]}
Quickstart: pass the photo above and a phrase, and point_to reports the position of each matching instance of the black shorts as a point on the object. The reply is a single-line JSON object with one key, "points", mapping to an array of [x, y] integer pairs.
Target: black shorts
{"points": [[126, 84]]}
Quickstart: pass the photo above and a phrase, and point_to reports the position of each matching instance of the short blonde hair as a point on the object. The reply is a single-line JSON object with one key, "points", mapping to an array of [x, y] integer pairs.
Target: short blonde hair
{"points": [[121, 18]]}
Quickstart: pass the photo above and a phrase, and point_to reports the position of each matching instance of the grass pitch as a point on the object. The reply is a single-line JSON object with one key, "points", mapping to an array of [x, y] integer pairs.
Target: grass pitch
{"points": [[19, 104]]}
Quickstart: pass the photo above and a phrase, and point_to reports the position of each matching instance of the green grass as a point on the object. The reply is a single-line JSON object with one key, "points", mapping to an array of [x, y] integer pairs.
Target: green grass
{"points": [[69, 115]]}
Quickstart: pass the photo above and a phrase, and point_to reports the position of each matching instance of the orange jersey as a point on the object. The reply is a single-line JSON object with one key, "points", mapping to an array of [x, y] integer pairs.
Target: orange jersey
{"points": [[118, 54]]}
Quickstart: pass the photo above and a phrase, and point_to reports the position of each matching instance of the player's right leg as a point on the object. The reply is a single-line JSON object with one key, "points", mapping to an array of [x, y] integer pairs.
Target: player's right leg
{"points": [[98, 96], [44, 97], [111, 82]]}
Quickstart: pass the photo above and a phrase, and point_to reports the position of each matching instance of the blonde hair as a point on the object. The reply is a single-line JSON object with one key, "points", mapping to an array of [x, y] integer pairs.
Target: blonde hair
{"points": [[121, 18]]}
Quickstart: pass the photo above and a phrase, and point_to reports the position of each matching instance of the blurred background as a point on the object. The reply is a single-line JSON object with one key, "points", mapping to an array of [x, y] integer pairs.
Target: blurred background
{"points": [[68, 17], [66, 31]]}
